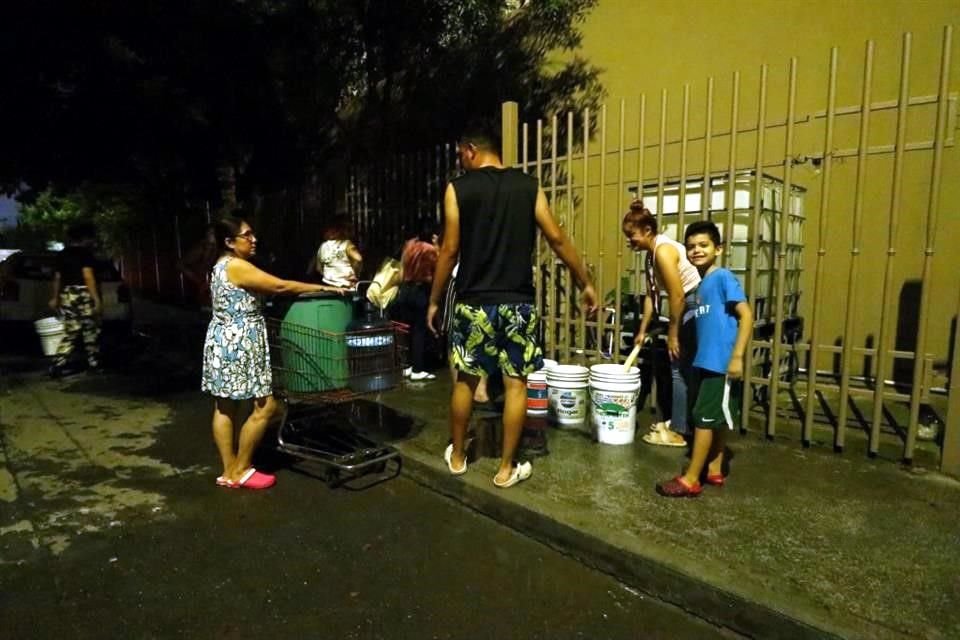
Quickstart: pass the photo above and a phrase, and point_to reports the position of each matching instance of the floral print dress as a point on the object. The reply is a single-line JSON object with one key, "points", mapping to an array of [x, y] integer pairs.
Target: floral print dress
{"points": [[236, 358]]}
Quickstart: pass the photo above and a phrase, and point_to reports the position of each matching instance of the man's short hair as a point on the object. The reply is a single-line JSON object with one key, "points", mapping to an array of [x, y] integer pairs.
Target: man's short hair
{"points": [[703, 226], [482, 136]]}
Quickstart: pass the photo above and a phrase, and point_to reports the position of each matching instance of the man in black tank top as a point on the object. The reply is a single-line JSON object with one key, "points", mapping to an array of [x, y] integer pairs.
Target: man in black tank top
{"points": [[491, 216]]}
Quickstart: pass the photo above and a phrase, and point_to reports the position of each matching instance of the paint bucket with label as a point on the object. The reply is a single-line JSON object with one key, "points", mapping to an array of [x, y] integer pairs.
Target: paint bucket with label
{"points": [[567, 394], [613, 396], [537, 393]]}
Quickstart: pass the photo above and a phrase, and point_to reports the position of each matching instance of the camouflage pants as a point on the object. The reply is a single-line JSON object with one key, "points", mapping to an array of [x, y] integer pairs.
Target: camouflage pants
{"points": [[76, 309]]}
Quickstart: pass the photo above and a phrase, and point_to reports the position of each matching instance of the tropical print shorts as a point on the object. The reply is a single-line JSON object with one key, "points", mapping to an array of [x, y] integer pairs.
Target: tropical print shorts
{"points": [[488, 337]]}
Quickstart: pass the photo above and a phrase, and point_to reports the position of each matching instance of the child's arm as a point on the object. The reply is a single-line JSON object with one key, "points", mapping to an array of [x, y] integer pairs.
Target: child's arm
{"points": [[744, 333]]}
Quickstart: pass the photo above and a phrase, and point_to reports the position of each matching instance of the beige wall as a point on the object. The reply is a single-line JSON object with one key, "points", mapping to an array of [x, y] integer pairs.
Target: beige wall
{"points": [[647, 46]]}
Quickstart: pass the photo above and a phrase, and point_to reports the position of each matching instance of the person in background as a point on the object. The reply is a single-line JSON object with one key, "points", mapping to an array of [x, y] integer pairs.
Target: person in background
{"points": [[196, 263], [491, 215], [338, 261], [236, 358], [419, 260], [668, 273], [724, 327], [76, 298]]}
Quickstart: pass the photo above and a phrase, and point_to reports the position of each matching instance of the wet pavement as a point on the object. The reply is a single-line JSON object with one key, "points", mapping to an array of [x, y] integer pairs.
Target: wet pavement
{"points": [[111, 526], [801, 543]]}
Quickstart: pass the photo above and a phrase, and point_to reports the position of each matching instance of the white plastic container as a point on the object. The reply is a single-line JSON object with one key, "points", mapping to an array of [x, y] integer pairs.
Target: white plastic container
{"points": [[548, 364], [51, 332], [567, 394], [613, 399]]}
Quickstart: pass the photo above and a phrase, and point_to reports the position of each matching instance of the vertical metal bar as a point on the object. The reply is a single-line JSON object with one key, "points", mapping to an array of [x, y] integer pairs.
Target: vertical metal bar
{"points": [[847, 354], [782, 249], [602, 310], [933, 207], [661, 161], [618, 305], [583, 215], [755, 241], [542, 300], [684, 135], [827, 172], [883, 338], [707, 144], [569, 297], [641, 150], [730, 200], [179, 247], [553, 288]]}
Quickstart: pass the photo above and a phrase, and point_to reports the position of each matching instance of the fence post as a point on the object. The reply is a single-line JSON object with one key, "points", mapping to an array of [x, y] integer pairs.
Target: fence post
{"points": [[509, 125]]}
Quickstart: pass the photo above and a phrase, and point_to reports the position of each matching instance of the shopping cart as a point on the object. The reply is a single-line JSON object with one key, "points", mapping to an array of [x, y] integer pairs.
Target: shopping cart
{"points": [[317, 376]]}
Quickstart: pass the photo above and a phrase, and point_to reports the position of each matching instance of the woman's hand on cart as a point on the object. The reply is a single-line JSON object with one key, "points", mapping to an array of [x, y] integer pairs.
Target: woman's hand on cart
{"points": [[339, 290]]}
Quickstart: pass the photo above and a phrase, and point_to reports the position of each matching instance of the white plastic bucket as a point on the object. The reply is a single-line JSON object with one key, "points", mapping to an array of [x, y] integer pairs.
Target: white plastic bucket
{"points": [[567, 394], [614, 403], [537, 394], [51, 333], [548, 364]]}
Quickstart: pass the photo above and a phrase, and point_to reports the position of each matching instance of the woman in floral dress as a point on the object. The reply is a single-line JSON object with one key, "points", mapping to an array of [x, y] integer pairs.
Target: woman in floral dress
{"points": [[236, 358]]}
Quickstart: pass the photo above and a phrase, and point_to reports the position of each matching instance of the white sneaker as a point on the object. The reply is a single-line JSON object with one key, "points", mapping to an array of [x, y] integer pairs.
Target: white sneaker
{"points": [[422, 375], [407, 372]]}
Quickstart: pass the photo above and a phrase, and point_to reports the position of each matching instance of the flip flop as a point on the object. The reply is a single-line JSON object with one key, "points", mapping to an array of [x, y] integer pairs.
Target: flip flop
{"points": [[661, 439], [660, 426], [520, 473], [447, 457]]}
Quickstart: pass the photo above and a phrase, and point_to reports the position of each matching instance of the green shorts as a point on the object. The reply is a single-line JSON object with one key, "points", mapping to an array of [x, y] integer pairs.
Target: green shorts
{"points": [[484, 338], [718, 401]]}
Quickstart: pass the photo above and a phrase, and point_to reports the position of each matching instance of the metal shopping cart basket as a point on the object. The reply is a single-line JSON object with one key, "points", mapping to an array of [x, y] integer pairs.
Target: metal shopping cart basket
{"points": [[317, 375]]}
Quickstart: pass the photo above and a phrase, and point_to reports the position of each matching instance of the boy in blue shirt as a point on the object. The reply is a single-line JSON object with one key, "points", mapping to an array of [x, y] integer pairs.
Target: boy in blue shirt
{"points": [[724, 327]]}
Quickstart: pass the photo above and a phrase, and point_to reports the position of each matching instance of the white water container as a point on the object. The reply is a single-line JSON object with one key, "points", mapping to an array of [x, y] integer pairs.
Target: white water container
{"points": [[567, 394], [51, 332], [613, 396]]}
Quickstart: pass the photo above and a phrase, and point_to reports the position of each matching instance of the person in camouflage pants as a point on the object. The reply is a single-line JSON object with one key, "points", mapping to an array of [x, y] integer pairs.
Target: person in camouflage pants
{"points": [[80, 318], [76, 297]]}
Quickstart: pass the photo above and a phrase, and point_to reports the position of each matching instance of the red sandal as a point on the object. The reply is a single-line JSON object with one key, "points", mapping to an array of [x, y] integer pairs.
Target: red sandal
{"points": [[716, 479], [678, 488]]}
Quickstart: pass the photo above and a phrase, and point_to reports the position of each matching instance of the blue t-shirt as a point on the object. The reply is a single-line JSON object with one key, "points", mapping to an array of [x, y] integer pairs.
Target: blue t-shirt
{"points": [[717, 297]]}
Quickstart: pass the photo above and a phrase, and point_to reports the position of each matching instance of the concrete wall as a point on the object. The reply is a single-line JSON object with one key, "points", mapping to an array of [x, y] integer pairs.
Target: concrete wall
{"points": [[645, 46]]}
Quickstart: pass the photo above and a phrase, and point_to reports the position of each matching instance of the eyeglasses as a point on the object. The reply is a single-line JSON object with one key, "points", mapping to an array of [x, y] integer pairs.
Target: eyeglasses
{"points": [[246, 235]]}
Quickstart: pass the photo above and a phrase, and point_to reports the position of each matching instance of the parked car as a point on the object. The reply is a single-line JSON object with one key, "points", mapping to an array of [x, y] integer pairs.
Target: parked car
{"points": [[26, 281]]}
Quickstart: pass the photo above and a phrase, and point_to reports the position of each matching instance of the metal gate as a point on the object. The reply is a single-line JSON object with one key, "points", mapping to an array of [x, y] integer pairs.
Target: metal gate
{"points": [[862, 165]]}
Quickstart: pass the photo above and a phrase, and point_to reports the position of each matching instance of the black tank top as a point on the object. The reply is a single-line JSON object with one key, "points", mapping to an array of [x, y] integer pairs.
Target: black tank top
{"points": [[497, 234]]}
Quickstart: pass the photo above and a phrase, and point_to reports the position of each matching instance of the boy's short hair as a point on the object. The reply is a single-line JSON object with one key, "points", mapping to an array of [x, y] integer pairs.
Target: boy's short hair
{"points": [[703, 226], [638, 217]]}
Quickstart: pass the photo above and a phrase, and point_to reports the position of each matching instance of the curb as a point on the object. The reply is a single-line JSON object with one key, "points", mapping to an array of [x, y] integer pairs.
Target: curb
{"points": [[709, 602]]}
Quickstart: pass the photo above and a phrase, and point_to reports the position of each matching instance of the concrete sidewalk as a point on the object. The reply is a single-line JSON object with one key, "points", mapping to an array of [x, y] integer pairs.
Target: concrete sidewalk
{"points": [[799, 544]]}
